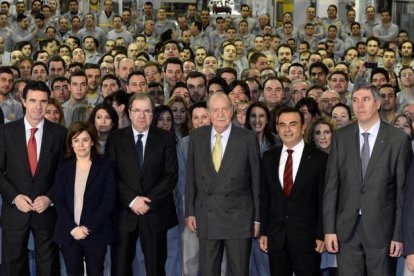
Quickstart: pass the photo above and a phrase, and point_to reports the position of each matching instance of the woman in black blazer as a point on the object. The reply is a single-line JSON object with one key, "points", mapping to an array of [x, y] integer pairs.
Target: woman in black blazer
{"points": [[85, 194]]}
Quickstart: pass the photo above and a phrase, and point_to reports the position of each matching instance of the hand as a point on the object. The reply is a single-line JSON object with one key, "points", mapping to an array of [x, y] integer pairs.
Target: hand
{"points": [[263, 243], [256, 230], [79, 233], [35, 31], [191, 223], [320, 246], [396, 249], [23, 203], [140, 206], [362, 70], [331, 243], [409, 261], [40, 204]]}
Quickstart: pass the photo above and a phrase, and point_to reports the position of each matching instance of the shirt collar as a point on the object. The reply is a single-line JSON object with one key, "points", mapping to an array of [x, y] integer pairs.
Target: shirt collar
{"points": [[373, 130], [225, 134], [28, 126], [299, 147], [145, 132]]}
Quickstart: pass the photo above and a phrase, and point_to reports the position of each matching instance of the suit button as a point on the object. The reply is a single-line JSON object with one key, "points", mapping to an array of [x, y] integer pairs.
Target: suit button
{"points": [[226, 195], [209, 194], [210, 211], [286, 217], [362, 191]]}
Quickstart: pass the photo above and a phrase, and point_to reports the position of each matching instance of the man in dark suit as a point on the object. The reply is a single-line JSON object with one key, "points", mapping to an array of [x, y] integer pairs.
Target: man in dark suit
{"points": [[291, 205], [146, 162], [222, 190], [408, 222], [30, 149], [363, 197]]}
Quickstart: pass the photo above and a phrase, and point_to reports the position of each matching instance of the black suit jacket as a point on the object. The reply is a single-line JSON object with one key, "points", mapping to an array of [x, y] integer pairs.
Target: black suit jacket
{"points": [[16, 177], [156, 180], [1, 117], [98, 202], [295, 221]]}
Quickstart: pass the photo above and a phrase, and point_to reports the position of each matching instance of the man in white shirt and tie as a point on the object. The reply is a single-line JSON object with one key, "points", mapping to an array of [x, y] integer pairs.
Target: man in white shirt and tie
{"points": [[292, 186], [363, 197]]}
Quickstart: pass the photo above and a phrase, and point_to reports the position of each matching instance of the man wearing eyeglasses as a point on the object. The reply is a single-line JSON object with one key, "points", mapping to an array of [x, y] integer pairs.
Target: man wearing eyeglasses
{"points": [[156, 92], [146, 161], [298, 90], [60, 89], [329, 99]]}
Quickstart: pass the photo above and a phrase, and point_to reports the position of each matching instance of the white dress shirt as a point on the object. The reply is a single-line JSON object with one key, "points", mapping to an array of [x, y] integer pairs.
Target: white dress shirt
{"points": [[144, 143], [373, 133], [224, 139], [143, 139], [296, 157], [38, 134]]}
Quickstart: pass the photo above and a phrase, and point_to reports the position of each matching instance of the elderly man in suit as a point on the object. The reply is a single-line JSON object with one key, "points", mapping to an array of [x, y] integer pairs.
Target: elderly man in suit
{"points": [[146, 162], [30, 150], [291, 200], [364, 185], [222, 190]]}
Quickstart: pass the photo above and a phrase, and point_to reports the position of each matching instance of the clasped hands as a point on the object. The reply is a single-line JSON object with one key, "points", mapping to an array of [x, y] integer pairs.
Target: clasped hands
{"points": [[79, 233], [25, 204], [140, 206]]}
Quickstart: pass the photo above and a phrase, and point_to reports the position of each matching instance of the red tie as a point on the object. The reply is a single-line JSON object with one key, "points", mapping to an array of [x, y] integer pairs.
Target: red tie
{"points": [[287, 174], [32, 151]]}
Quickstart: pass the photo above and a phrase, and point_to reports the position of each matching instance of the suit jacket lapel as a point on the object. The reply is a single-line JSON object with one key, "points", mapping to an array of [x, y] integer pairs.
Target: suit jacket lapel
{"points": [[130, 150], [70, 188], [304, 164], [355, 144], [230, 154], [377, 150], [207, 150], [46, 144], [275, 171], [20, 137], [151, 144], [92, 174]]}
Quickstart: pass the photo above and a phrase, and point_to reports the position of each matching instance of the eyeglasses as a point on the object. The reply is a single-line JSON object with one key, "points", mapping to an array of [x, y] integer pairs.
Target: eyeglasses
{"points": [[331, 100], [109, 69], [64, 87], [145, 112], [409, 114], [155, 93], [302, 91]]}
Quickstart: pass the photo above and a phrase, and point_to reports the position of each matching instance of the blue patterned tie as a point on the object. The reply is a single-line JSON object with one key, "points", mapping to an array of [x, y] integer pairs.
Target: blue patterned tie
{"points": [[140, 150]]}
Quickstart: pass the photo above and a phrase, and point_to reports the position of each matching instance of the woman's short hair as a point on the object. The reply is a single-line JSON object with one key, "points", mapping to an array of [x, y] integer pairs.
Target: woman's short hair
{"points": [[77, 128]]}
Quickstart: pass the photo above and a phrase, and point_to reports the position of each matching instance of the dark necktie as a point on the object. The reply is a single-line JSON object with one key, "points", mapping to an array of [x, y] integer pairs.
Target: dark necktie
{"points": [[140, 150], [365, 154], [32, 151], [288, 174]]}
